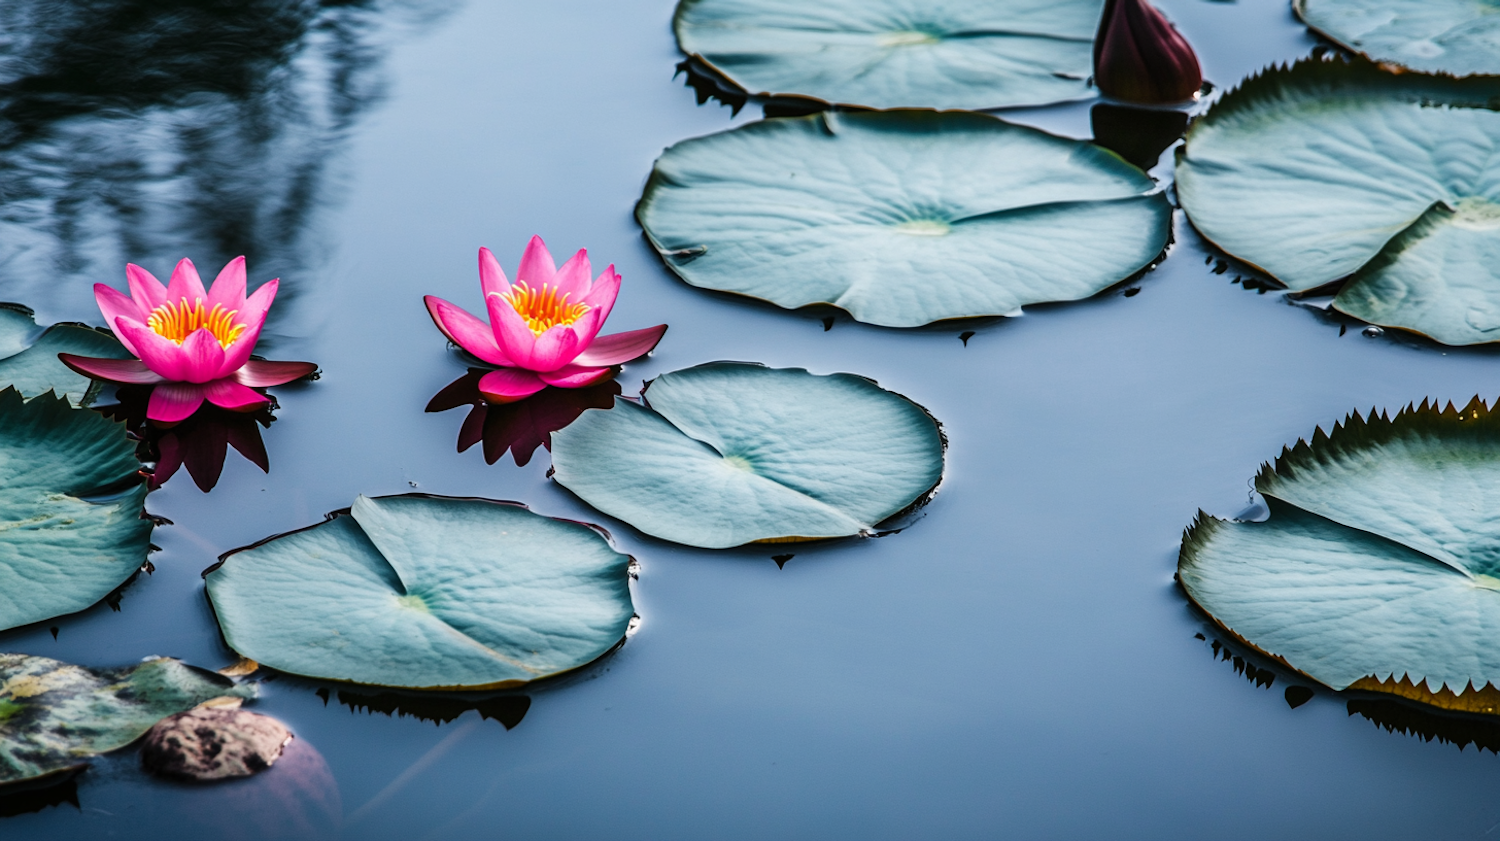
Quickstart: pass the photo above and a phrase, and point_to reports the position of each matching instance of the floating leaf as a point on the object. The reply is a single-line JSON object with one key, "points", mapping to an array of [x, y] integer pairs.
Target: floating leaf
{"points": [[902, 218], [1379, 567], [1461, 37], [72, 525], [54, 716], [968, 54], [28, 355], [731, 453], [213, 743], [1331, 170], [426, 592]]}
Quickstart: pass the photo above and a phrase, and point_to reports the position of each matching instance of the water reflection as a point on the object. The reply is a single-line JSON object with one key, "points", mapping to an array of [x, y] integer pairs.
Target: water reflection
{"points": [[522, 426], [1139, 135], [201, 443], [509, 710], [1429, 724], [143, 130], [35, 799]]}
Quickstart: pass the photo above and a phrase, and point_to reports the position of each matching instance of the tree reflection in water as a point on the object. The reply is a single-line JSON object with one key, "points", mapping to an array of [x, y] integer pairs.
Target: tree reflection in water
{"points": [[522, 426], [148, 130]]}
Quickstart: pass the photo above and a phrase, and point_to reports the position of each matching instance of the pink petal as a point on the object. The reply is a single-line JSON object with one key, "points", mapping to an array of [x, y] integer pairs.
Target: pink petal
{"points": [[259, 373], [508, 385], [185, 283], [233, 396], [621, 347], [114, 305], [588, 327], [239, 350], [537, 267], [160, 355], [575, 376], [492, 278], [131, 371], [174, 402], [259, 303], [515, 339], [229, 287], [144, 288], [204, 356], [574, 276], [466, 331], [604, 292], [555, 348]]}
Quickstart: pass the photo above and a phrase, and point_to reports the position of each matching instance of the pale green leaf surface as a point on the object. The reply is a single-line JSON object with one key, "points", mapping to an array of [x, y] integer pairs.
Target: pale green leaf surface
{"points": [[54, 716], [901, 218], [968, 54], [1332, 169], [58, 552], [1461, 37], [426, 592], [28, 355], [731, 453]]}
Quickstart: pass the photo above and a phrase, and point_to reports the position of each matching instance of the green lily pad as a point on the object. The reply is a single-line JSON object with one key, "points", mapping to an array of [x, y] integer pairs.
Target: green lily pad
{"points": [[1333, 170], [732, 453], [28, 355], [54, 716], [1459, 37], [426, 592], [72, 518], [1379, 566], [968, 54], [902, 218]]}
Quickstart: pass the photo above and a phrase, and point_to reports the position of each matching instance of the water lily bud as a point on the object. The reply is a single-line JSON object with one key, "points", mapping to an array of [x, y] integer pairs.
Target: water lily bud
{"points": [[1140, 57]]}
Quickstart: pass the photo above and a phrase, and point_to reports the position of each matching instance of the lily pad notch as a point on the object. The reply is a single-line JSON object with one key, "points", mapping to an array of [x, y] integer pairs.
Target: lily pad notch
{"points": [[1335, 173], [902, 218], [426, 592], [731, 453], [1378, 567]]}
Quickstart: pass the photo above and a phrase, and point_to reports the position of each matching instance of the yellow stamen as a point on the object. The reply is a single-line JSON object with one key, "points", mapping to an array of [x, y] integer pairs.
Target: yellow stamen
{"points": [[178, 321], [542, 308]]}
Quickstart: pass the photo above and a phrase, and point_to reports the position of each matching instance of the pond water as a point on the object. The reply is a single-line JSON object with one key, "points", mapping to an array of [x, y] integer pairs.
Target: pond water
{"points": [[1017, 663]]}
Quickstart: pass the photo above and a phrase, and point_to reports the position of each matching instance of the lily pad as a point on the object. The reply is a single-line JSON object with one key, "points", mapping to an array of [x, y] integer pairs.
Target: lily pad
{"points": [[28, 355], [72, 518], [1379, 567], [902, 218], [1333, 170], [54, 716], [731, 453], [426, 592], [1460, 37], [968, 54]]}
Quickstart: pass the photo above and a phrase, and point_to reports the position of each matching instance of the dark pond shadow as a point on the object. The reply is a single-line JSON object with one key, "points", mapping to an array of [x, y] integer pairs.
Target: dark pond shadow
{"points": [[707, 83], [150, 130], [53, 790], [1139, 135], [200, 444], [508, 709], [520, 427]]}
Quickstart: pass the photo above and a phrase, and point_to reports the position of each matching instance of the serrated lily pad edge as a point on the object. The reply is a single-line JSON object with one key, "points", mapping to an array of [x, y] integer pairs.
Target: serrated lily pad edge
{"points": [[654, 180], [1299, 8], [95, 387], [1484, 700], [632, 564]]}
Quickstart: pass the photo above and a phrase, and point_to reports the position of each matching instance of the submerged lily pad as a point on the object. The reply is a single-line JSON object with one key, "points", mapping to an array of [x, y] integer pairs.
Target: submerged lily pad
{"points": [[902, 218], [1379, 567], [732, 453], [1460, 37], [969, 54], [1331, 170], [72, 524], [426, 592], [54, 716], [28, 355]]}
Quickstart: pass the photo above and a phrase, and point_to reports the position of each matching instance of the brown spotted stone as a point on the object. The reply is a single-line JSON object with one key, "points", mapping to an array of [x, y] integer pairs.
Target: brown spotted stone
{"points": [[213, 743]]}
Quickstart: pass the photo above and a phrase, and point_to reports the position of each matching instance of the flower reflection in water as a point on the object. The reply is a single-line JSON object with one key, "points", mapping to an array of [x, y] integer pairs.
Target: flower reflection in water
{"points": [[522, 426], [201, 443]]}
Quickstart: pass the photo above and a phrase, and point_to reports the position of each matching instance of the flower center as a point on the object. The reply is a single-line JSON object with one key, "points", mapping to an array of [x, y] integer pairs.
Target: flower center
{"points": [[178, 321], [542, 308]]}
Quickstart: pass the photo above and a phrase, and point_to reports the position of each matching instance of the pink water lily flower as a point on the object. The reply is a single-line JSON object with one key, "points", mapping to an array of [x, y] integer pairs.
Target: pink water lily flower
{"points": [[192, 344], [544, 328]]}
